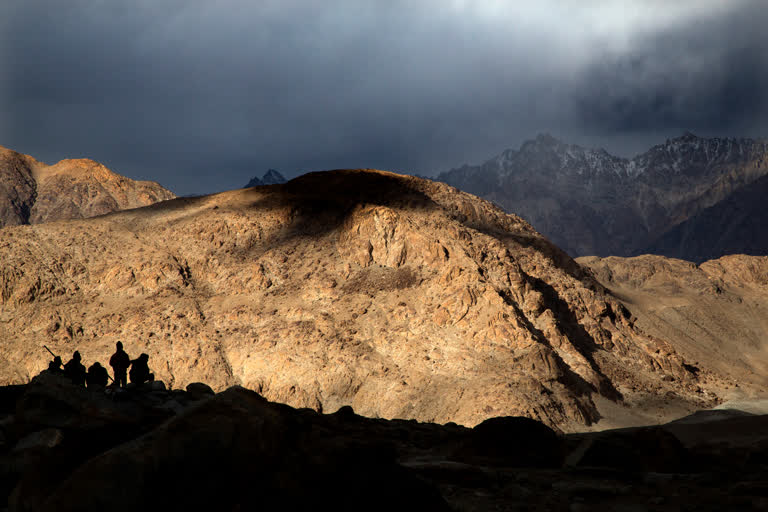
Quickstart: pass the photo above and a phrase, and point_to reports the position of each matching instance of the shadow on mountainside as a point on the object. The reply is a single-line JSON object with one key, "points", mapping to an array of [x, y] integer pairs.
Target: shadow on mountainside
{"points": [[321, 202], [571, 379], [576, 334]]}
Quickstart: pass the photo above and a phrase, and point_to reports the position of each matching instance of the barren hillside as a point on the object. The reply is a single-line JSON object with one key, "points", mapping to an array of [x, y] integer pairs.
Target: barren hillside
{"points": [[714, 314], [398, 296]]}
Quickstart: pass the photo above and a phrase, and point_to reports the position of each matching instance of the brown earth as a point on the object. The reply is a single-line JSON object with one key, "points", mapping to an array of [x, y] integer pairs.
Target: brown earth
{"points": [[402, 297], [32, 192], [714, 314]]}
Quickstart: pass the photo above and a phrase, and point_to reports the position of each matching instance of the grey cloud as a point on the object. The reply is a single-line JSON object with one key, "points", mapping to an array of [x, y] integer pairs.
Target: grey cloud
{"points": [[709, 74], [203, 95]]}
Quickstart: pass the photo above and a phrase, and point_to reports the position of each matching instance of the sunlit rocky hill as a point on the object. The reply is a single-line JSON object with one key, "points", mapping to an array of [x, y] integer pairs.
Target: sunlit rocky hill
{"points": [[402, 297], [32, 192]]}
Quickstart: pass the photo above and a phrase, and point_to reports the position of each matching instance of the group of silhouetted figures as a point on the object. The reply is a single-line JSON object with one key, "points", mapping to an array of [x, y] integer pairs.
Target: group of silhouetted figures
{"points": [[96, 377]]}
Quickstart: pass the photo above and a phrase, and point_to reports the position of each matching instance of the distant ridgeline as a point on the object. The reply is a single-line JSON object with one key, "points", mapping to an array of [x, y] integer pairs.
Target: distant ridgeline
{"points": [[690, 198], [271, 177]]}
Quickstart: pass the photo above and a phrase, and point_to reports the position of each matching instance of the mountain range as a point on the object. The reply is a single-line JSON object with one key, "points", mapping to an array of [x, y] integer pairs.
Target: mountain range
{"points": [[590, 202], [400, 296]]}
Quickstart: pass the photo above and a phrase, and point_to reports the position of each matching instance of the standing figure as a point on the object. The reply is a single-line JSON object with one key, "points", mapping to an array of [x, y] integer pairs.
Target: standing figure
{"points": [[97, 376], [55, 365], [75, 370], [140, 370], [120, 363]]}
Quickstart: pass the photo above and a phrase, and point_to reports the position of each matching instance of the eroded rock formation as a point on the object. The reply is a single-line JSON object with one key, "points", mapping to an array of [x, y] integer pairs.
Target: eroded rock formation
{"points": [[402, 297]]}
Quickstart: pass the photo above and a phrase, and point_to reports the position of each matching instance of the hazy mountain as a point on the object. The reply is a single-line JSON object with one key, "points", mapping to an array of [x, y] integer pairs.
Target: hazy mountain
{"points": [[398, 296], [592, 203], [32, 192], [735, 225], [271, 177]]}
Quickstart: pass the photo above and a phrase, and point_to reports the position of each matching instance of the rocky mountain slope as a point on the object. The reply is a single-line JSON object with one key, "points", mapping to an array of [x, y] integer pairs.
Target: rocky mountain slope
{"points": [[32, 192], [589, 202], [402, 297], [735, 225], [715, 314]]}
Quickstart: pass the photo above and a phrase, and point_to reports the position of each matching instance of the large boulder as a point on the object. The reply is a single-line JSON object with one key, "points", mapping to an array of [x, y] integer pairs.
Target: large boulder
{"points": [[512, 441], [639, 450]]}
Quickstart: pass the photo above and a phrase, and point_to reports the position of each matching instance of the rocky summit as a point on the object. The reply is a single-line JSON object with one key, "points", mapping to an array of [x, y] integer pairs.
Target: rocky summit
{"points": [[32, 192], [398, 296]]}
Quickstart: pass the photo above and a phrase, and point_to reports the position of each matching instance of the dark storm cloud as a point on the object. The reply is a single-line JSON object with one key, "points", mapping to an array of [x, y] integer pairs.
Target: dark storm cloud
{"points": [[709, 74], [203, 95]]}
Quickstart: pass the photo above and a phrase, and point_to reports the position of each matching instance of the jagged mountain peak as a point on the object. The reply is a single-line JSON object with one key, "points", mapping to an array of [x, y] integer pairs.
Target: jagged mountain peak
{"points": [[544, 142], [271, 177], [592, 202], [548, 155], [547, 139], [690, 155], [688, 137]]}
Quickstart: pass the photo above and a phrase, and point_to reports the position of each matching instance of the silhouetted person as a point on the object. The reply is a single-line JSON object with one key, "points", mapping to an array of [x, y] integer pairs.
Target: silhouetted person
{"points": [[97, 376], [140, 370], [55, 365], [75, 370], [120, 363]]}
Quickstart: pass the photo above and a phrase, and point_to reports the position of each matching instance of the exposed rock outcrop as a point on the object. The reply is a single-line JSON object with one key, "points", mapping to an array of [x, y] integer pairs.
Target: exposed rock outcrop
{"points": [[18, 189], [401, 297]]}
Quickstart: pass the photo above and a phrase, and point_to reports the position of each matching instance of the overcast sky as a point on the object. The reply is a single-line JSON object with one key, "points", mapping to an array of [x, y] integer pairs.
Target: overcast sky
{"points": [[203, 95]]}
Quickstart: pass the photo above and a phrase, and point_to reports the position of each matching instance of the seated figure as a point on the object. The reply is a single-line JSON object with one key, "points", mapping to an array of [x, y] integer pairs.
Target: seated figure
{"points": [[139, 372]]}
